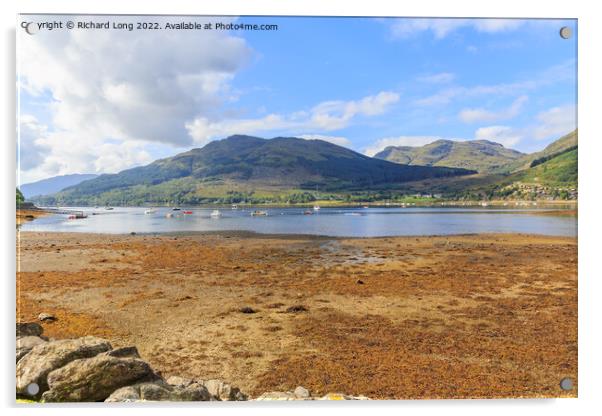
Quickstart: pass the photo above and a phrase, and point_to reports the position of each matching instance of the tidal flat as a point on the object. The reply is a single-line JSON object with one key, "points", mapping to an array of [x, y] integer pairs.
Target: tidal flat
{"points": [[465, 316]]}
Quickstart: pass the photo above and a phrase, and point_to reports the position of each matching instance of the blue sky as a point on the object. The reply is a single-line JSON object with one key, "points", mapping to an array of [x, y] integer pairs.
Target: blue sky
{"points": [[102, 102]]}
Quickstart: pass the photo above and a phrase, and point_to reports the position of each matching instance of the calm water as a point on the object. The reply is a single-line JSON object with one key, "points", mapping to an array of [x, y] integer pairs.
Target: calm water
{"points": [[341, 222]]}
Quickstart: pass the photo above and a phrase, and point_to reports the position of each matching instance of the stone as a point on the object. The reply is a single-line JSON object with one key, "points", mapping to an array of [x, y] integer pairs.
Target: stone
{"points": [[26, 344], [180, 381], [277, 396], [44, 358], [29, 328], [160, 391], [302, 393], [223, 391], [123, 352], [94, 379], [47, 317]]}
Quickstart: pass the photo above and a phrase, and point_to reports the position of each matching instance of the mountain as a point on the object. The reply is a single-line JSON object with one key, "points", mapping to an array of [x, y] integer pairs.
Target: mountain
{"points": [[548, 174], [246, 164], [559, 169], [480, 155], [564, 143], [53, 185]]}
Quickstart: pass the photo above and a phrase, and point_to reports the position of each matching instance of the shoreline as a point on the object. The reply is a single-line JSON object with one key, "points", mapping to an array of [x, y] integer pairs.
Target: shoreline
{"points": [[491, 308], [243, 234]]}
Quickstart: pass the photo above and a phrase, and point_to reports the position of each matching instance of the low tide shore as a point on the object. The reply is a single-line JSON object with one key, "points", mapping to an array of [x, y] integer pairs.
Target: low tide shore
{"points": [[397, 317], [29, 214]]}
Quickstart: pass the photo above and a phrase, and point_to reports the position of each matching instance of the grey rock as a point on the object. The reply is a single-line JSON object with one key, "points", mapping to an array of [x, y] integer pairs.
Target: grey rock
{"points": [[302, 393], [224, 391], [123, 352], [26, 343], [29, 328], [180, 381], [277, 396], [47, 317], [44, 358], [94, 379], [160, 391]]}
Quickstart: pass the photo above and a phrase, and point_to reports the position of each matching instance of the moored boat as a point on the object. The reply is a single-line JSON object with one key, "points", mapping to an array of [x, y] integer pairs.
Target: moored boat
{"points": [[216, 213], [259, 213]]}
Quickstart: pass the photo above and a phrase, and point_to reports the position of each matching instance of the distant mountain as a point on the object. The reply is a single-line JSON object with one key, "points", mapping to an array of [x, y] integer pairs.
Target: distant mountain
{"points": [[250, 163], [53, 185], [480, 155], [548, 174]]}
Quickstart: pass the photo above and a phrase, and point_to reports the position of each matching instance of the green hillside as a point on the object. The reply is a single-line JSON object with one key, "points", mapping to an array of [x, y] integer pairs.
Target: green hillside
{"points": [[568, 141], [553, 178], [480, 155], [248, 168], [560, 170]]}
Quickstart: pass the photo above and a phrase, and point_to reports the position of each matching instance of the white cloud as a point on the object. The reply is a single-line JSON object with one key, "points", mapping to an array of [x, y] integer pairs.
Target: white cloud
{"points": [[473, 115], [138, 85], [326, 116], [440, 28], [552, 75], [505, 135], [60, 153], [114, 86], [31, 147], [381, 144], [340, 141], [555, 122], [440, 78]]}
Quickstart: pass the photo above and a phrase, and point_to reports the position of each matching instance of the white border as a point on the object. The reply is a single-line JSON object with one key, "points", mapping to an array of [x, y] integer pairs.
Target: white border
{"points": [[590, 71]]}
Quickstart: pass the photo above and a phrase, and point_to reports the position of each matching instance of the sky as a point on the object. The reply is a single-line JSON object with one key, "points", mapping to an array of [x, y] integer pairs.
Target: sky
{"points": [[104, 100]]}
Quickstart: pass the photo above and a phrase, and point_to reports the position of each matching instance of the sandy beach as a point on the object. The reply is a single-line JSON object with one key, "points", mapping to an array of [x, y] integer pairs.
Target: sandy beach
{"points": [[472, 316]]}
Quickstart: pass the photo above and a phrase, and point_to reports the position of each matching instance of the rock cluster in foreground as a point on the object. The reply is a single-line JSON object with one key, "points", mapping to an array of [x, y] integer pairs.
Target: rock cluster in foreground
{"points": [[89, 369]]}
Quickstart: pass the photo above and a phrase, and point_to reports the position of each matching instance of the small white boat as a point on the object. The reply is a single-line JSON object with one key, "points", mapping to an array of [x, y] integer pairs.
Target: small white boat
{"points": [[484, 204], [216, 214], [234, 206], [316, 207], [150, 211], [109, 208], [169, 215]]}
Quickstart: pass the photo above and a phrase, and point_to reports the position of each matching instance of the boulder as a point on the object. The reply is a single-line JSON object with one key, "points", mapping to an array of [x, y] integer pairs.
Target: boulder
{"points": [[44, 358], [123, 352], [277, 396], [223, 391], [160, 391], [94, 379], [180, 381], [302, 393], [26, 343], [29, 328]]}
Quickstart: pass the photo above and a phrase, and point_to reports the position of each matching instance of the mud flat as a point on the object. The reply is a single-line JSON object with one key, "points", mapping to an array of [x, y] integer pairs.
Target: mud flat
{"points": [[27, 214], [399, 317]]}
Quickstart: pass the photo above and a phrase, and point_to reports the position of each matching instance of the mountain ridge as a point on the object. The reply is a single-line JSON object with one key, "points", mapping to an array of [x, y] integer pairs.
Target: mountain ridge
{"points": [[256, 163], [54, 184], [484, 156]]}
